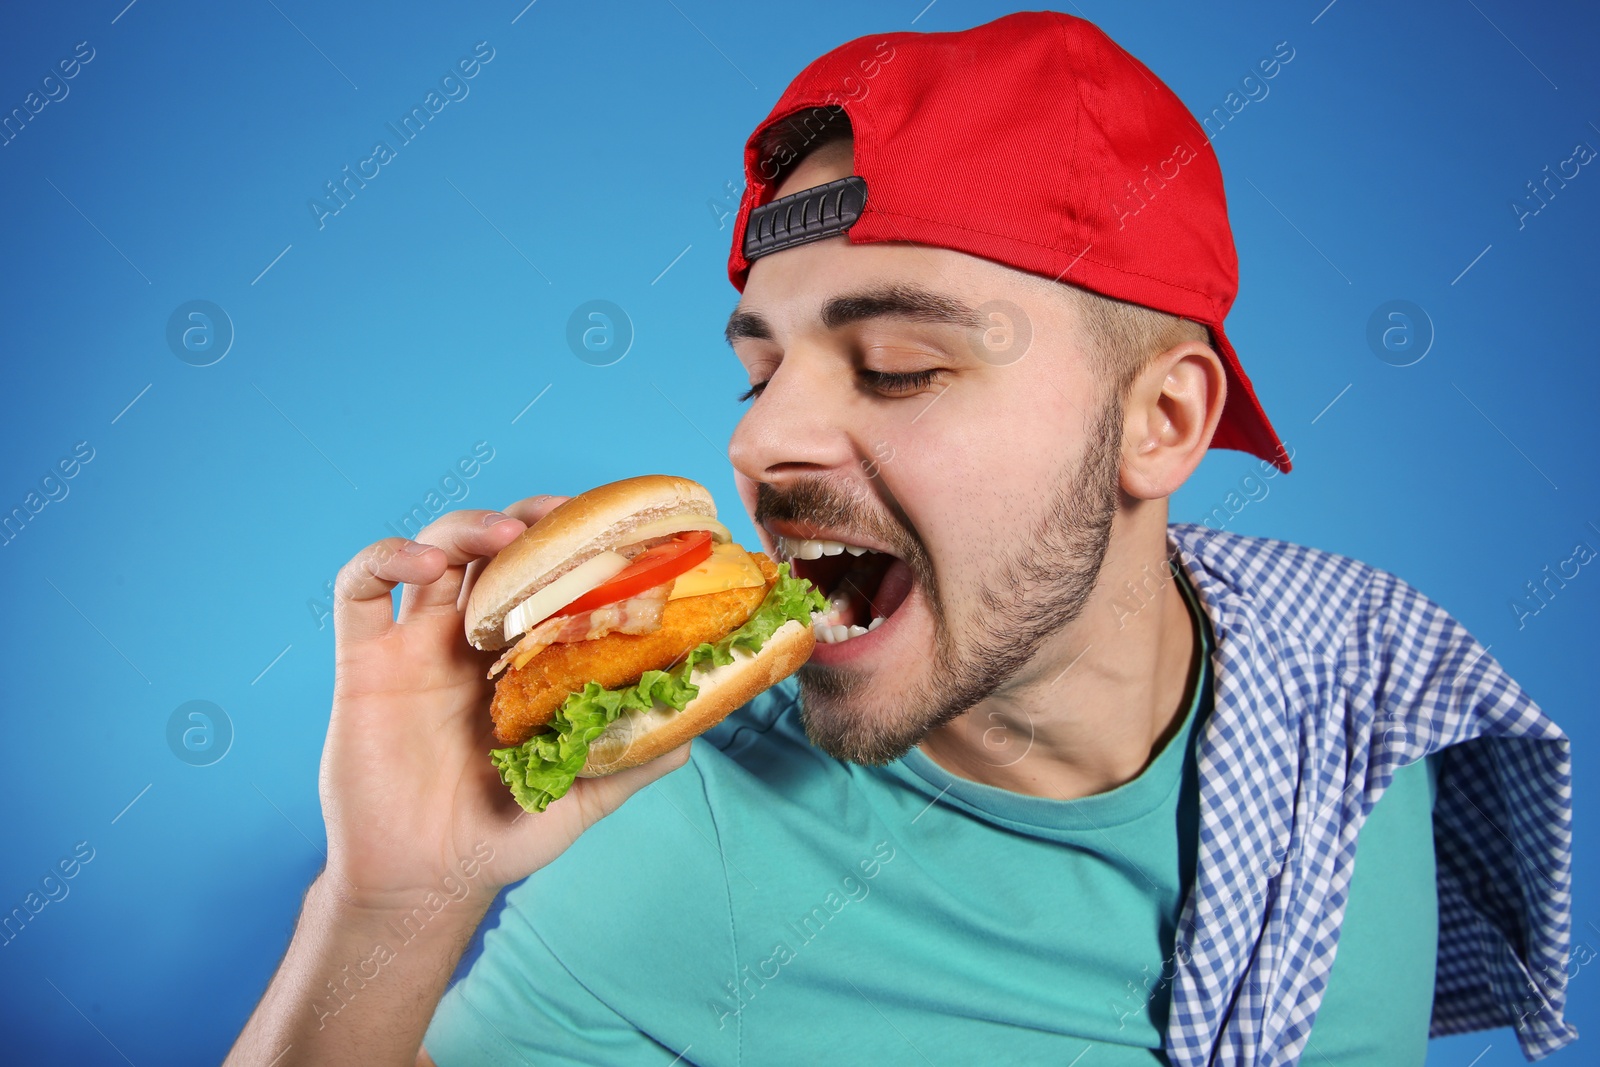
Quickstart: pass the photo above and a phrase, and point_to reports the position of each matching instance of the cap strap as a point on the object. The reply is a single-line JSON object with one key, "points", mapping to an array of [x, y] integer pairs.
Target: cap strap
{"points": [[809, 215]]}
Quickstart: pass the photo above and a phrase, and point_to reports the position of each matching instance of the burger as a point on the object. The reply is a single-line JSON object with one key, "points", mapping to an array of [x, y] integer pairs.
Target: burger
{"points": [[628, 622]]}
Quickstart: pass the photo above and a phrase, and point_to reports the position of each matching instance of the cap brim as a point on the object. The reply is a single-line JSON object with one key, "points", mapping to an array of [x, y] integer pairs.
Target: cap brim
{"points": [[1244, 424]]}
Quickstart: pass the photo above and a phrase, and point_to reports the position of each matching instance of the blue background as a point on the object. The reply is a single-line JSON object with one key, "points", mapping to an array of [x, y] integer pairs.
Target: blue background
{"points": [[594, 152]]}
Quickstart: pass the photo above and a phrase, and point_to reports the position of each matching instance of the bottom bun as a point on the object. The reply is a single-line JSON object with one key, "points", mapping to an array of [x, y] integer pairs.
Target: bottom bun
{"points": [[640, 736]]}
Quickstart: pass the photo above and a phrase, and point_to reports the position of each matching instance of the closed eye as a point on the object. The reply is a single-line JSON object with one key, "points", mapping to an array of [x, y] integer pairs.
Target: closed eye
{"points": [[899, 383], [890, 382]]}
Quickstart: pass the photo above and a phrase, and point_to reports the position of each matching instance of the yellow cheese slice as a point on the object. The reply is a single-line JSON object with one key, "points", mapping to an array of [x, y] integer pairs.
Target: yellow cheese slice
{"points": [[730, 567]]}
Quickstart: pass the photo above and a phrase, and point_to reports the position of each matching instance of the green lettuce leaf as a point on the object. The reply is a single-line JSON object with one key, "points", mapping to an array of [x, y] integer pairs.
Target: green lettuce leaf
{"points": [[543, 768]]}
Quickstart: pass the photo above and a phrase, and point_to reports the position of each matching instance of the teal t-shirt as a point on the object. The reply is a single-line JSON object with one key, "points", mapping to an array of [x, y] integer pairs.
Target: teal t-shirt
{"points": [[768, 904]]}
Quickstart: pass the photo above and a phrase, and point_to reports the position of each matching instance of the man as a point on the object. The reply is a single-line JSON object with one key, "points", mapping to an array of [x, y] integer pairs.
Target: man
{"points": [[1097, 785]]}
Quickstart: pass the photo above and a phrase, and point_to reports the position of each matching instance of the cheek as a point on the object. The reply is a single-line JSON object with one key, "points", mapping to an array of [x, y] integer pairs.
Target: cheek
{"points": [[977, 444], [971, 471], [949, 480]]}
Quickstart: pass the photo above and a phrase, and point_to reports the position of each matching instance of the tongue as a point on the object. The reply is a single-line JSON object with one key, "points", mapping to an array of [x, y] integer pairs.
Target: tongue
{"points": [[893, 590]]}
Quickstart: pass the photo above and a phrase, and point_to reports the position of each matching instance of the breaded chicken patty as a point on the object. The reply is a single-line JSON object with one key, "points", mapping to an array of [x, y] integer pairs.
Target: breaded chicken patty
{"points": [[525, 698]]}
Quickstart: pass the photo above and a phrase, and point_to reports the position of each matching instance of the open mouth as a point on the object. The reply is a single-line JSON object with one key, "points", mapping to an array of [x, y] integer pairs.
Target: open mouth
{"points": [[863, 586]]}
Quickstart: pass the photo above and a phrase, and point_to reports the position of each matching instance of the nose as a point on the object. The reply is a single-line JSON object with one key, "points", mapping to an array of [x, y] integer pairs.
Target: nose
{"points": [[795, 427]]}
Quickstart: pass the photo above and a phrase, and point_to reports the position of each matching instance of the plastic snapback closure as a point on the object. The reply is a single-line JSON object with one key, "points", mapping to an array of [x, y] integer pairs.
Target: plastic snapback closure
{"points": [[808, 215]]}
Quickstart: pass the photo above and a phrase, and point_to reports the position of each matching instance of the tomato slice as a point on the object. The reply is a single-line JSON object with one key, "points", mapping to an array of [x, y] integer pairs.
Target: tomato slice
{"points": [[648, 569]]}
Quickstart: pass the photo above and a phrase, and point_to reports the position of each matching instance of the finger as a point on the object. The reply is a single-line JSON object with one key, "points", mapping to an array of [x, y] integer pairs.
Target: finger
{"points": [[468, 581], [531, 509], [362, 607], [462, 536]]}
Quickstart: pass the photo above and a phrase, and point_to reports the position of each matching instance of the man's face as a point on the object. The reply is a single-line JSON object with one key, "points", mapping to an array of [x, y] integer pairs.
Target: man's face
{"points": [[987, 487]]}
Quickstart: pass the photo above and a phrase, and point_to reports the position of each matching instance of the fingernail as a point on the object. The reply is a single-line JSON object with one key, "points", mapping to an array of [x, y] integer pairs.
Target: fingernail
{"points": [[414, 548], [494, 518]]}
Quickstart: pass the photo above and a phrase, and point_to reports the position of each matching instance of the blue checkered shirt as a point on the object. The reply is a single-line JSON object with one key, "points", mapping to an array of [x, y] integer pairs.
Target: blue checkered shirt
{"points": [[1328, 675]]}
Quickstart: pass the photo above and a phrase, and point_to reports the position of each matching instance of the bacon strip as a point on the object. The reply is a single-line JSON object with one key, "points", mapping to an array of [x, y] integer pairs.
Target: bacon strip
{"points": [[636, 615]]}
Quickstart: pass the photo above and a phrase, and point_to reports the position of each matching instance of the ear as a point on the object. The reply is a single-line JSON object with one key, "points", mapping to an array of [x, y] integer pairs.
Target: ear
{"points": [[1172, 410]]}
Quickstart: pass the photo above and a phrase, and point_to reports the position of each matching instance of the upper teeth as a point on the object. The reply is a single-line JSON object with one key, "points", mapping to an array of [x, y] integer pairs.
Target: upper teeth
{"points": [[808, 548]]}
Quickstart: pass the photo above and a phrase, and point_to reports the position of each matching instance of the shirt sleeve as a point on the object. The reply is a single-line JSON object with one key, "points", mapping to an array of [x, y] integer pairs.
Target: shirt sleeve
{"points": [[1379, 997], [519, 1005], [587, 960], [1503, 822]]}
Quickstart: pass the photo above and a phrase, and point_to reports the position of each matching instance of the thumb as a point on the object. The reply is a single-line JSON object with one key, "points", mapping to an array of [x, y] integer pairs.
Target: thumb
{"points": [[602, 796], [592, 799]]}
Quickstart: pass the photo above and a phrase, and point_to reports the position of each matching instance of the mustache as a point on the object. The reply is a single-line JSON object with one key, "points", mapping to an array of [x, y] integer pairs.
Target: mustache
{"points": [[814, 503]]}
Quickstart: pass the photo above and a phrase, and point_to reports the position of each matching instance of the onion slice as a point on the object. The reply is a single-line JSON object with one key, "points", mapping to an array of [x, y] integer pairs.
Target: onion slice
{"points": [[590, 574], [679, 524], [597, 570]]}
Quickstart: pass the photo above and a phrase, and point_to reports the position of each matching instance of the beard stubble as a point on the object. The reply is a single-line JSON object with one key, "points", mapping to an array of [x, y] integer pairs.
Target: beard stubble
{"points": [[1026, 595]]}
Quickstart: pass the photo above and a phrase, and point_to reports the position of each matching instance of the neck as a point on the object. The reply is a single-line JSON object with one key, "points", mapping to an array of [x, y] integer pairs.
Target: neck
{"points": [[1102, 697]]}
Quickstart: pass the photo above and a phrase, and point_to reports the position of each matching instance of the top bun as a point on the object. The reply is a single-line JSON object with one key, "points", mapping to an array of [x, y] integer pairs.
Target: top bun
{"points": [[574, 531]]}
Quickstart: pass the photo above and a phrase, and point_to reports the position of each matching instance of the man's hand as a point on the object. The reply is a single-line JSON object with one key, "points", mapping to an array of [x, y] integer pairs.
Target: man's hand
{"points": [[411, 800], [408, 790]]}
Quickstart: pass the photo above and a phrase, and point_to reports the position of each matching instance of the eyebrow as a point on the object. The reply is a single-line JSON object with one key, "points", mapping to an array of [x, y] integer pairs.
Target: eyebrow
{"points": [[912, 303]]}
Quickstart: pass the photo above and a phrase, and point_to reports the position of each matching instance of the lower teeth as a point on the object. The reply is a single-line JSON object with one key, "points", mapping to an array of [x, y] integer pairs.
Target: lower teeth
{"points": [[830, 632]]}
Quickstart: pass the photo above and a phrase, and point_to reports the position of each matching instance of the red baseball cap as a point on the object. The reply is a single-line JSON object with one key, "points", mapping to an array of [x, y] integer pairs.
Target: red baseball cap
{"points": [[1034, 141]]}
